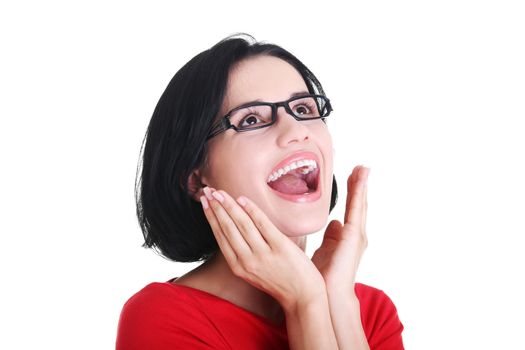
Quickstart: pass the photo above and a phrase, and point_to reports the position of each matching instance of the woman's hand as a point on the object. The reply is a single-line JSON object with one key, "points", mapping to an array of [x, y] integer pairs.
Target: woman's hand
{"points": [[339, 255], [259, 253]]}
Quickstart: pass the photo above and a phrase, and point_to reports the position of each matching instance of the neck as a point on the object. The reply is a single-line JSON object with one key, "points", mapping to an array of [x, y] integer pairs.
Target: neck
{"points": [[216, 277]]}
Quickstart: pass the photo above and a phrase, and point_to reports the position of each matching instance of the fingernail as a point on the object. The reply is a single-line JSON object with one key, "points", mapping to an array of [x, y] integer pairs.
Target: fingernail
{"points": [[218, 196], [204, 202], [242, 201], [207, 192]]}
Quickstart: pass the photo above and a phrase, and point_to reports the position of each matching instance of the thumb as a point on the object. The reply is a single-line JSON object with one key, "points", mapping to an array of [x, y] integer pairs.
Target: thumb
{"points": [[332, 229]]}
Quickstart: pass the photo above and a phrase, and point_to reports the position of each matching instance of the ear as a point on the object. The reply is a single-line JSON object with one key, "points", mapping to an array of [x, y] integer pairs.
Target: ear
{"points": [[195, 185]]}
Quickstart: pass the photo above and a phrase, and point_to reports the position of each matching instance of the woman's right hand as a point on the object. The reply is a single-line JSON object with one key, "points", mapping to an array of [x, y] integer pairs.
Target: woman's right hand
{"points": [[259, 253]]}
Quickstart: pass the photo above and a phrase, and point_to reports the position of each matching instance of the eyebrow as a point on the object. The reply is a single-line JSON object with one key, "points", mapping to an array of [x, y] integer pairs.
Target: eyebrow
{"points": [[295, 94]]}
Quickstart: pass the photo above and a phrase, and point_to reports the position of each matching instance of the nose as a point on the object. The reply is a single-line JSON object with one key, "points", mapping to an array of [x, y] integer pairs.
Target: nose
{"points": [[290, 129]]}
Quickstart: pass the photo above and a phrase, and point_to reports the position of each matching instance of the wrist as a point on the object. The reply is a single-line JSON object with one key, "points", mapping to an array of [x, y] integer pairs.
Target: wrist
{"points": [[310, 299], [338, 290], [340, 300]]}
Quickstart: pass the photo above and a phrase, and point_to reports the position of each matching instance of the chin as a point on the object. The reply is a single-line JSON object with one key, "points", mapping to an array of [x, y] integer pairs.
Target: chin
{"points": [[303, 227]]}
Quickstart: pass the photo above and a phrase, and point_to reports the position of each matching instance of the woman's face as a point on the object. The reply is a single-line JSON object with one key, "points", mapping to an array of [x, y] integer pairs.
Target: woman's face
{"points": [[241, 163]]}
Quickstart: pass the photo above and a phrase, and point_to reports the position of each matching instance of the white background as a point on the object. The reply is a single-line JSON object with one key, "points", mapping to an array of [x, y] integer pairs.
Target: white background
{"points": [[430, 95]]}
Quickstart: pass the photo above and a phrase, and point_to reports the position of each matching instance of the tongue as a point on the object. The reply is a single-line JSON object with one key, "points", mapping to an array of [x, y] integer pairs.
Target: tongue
{"points": [[290, 184]]}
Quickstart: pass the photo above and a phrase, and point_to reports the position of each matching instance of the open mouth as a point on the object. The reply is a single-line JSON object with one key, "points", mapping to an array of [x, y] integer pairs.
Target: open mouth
{"points": [[296, 179]]}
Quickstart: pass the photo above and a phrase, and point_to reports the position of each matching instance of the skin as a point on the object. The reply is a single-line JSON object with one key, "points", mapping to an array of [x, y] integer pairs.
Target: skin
{"points": [[239, 163], [261, 265]]}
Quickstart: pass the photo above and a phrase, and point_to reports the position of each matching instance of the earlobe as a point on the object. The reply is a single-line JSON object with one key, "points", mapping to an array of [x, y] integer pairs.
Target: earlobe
{"points": [[195, 185]]}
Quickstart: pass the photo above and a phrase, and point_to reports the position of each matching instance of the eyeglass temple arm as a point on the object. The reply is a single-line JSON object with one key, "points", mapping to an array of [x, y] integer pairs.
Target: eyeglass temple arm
{"points": [[222, 125]]}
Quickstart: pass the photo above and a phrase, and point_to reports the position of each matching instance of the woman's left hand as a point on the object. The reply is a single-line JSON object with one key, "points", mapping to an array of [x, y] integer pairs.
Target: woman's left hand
{"points": [[339, 255]]}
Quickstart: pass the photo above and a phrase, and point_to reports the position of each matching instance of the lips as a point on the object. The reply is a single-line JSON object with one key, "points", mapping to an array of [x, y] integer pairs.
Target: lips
{"points": [[312, 179], [303, 155]]}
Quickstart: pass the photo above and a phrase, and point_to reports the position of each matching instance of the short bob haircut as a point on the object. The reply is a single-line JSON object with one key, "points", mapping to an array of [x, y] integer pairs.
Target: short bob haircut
{"points": [[172, 222]]}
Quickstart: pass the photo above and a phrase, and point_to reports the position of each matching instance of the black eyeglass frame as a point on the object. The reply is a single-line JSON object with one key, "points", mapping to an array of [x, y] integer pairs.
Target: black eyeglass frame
{"points": [[224, 123]]}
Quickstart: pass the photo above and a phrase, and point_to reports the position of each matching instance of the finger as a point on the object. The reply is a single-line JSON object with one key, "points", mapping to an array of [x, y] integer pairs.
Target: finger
{"points": [[363, 220], [223, 243], [207, 191], [245, 226], [331, 232], [355, 197], [350, 185], [273, 237], [365, 205], [229, 229]]}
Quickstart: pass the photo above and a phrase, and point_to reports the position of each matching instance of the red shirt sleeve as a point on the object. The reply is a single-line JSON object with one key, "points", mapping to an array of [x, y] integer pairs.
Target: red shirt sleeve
{"points": [[379, 319]]}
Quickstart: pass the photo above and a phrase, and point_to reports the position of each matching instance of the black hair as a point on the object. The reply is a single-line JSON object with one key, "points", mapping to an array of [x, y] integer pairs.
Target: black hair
{"points": [[172, 222]]}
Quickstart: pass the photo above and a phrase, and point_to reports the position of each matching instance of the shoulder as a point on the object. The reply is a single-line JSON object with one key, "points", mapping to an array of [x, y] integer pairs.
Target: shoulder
{"points": [[162, 316], [152, 296], [372, 296], [153, 301], [379, 317]]}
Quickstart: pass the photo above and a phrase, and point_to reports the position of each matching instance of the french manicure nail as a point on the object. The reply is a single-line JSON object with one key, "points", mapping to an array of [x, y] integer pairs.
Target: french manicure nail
{"points": [[207, 192], [204, 202], [242, 201], [218, 196]]}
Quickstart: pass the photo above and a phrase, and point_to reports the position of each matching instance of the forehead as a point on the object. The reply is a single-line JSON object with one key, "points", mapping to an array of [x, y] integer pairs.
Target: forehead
{"points": [[264, 78]]}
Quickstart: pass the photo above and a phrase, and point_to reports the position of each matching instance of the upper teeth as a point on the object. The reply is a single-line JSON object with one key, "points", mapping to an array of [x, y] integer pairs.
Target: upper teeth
{"points": [[310, 163]]}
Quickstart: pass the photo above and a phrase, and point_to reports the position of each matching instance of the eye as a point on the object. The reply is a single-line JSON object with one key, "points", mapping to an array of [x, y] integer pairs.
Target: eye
{"points": [[251, 117], [302, 109], [306, 107], [249, 120]]}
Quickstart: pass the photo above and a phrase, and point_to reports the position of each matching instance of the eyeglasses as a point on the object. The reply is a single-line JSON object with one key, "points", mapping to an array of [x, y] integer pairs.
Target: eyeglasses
{"points": [[259, 115]]}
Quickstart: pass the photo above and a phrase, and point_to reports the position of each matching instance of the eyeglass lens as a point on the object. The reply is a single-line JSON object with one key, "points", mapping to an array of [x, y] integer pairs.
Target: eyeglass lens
{"points": [[258, 116]]}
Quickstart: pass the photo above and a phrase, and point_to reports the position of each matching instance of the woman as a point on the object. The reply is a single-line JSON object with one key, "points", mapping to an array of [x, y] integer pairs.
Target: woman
{"points": [[237, 170]]}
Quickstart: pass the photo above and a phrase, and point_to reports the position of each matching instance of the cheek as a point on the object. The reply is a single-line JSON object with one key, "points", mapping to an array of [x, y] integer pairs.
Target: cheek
{"points": [[324, 140], [235, 168]]}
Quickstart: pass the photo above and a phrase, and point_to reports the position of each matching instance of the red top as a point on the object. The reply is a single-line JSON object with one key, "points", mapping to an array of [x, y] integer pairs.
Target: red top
{"points": [[169, 316]]}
